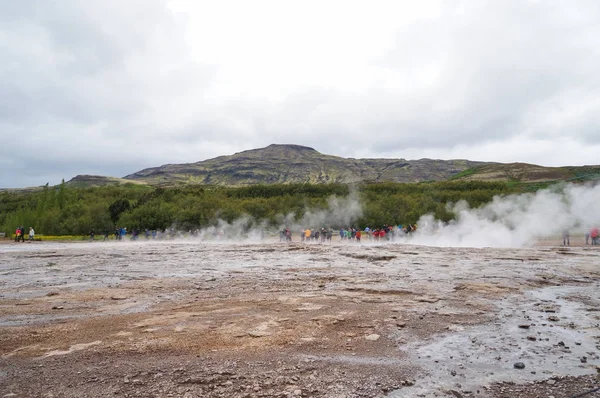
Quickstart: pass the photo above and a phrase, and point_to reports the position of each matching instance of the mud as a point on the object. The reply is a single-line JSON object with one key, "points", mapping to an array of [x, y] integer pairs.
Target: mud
{"points": [[194, 319]]}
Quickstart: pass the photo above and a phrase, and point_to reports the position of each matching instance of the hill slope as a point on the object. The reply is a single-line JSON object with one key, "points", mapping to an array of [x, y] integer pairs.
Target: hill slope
{"points": [[299, 164], [85, 180], [524, 172]]}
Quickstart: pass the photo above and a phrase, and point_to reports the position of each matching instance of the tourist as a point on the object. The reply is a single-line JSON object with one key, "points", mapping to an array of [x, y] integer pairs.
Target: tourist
{"points": [[594, 235], [566, 238], [587, 238]]}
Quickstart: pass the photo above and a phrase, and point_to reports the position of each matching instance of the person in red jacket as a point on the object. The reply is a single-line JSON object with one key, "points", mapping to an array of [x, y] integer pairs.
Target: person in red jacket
{"points": [[594, 235]]}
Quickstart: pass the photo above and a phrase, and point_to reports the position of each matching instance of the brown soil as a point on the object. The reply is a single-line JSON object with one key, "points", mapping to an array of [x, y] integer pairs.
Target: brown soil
{"points": [[184, 319]]}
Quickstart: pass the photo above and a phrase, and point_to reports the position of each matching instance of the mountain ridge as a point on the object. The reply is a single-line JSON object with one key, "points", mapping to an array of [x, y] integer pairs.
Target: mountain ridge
{"points": [[292, 163]]}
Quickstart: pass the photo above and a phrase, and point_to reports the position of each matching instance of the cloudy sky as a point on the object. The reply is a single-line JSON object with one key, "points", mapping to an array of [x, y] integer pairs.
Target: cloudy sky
{"points": [[114, 86]]}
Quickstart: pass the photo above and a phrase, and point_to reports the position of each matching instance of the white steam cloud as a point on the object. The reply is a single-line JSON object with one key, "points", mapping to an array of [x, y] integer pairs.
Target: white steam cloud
{"points": [[515, 220], [339, 212], [342, 211], [507, 221]]}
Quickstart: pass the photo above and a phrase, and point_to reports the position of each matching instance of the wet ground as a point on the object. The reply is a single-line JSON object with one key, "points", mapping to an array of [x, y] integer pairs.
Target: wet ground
{"points": [[193, 319]]}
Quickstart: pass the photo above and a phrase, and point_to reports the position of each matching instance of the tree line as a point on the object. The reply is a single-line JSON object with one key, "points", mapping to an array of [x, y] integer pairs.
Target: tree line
{"points": [[64, 210]]}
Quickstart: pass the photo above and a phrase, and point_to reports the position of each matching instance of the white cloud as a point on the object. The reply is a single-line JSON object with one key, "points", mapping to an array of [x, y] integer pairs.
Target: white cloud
{"points": [[105, 92]]}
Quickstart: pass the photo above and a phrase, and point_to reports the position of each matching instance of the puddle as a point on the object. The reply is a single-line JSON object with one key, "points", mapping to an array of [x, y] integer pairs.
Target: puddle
{"points": [[484, 354]]}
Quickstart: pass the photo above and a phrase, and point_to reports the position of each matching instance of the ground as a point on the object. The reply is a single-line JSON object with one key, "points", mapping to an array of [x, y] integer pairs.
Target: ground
{"points": [[270, 319]]}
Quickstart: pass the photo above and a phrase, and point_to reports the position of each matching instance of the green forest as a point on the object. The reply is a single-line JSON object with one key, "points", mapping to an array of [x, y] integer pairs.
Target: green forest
{"points": [[64, 210]]}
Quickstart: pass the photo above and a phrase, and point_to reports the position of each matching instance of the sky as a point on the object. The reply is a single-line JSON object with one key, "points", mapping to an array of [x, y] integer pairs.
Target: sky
{"points": [[112, 87]]}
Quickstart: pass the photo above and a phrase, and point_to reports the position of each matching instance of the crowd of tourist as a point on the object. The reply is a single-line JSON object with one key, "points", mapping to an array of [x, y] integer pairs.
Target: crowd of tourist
{"points": [[319, 235]]}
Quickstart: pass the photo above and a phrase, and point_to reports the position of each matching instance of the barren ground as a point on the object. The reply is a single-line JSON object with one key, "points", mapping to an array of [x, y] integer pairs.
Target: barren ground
{"points": [[192, 319]]}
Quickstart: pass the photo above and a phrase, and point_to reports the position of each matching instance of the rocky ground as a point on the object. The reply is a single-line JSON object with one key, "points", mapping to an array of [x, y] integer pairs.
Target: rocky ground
{"points": [[193, 319]]}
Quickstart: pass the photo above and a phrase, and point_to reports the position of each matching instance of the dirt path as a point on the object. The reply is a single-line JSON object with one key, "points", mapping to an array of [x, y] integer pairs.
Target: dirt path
{"points": [[190, 319]]}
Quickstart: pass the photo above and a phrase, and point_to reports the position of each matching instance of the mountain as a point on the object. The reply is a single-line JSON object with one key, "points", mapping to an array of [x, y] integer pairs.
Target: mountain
{"points": [[299, 164]]}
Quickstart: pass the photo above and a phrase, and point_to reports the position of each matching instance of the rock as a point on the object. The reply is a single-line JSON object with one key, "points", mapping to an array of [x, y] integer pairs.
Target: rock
{"points": [[524, 326], [401, 324], [532, 338], [58, 307], [309, 307], [553, 318], [456, 394], [519, 365], [583, 359], [428, 299], [258, 333], [455, 328], [372, 337], [50, 294], [118, 297]]}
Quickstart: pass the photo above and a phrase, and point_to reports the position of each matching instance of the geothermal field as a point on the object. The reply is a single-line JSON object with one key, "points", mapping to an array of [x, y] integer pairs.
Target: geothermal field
{"points": [[190, 318]]}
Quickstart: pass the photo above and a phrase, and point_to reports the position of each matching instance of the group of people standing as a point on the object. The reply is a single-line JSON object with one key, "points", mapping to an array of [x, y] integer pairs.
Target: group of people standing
{"points": [[315, 234], [121, 232], [20, 234], [387, 232], [592, 236]]}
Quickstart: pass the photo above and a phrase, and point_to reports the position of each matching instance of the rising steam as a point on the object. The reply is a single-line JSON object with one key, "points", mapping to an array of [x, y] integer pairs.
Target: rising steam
{"points": [[507, 221], [515, 220], [339, 212]]}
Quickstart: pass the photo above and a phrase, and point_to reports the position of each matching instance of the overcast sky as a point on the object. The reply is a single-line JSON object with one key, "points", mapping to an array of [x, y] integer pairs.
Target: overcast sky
{"points": [[114, 86]]}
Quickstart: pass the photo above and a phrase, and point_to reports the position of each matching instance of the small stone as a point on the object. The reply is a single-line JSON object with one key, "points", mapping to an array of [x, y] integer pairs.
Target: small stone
{"points": [[372, 337], [58, 307], [401, 324], [519, 365], [532, 338], [524, 326], [553, 318], [583, 359]]}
